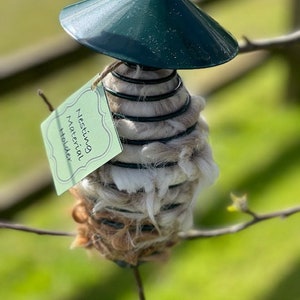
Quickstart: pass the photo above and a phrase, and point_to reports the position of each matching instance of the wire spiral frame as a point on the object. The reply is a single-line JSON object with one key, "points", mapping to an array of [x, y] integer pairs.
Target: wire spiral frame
{"points": [[132, 208]]}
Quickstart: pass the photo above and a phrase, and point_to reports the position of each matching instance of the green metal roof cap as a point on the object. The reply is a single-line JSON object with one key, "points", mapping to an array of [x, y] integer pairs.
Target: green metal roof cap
{"points": [[169, 34]]}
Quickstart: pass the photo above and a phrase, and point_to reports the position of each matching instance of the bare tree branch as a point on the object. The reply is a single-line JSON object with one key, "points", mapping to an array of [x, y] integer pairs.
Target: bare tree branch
{"points": [[45, 99], [270, 44], [256, 218], [189, 235], [20, 227], [139, 283]]}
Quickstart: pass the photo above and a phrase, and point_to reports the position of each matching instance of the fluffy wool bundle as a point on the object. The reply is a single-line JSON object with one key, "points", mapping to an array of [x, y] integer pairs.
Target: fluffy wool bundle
{"points": [[132, 208]]}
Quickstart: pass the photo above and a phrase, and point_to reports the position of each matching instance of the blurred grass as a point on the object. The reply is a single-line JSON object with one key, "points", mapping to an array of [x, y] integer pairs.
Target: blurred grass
{"points": [[255, 138], [22, 111], [24, 23]]}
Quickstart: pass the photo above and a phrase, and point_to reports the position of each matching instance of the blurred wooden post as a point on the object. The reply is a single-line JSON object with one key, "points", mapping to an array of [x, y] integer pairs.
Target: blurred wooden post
{"points": [[293, 59]]}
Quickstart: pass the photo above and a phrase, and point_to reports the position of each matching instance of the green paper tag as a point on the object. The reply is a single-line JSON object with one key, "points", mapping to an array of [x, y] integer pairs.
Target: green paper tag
{"points": [[80, 136]]}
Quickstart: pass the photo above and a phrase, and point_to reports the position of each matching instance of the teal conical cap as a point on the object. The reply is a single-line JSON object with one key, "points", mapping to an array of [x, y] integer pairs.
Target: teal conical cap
{"points": [[170, 34]]}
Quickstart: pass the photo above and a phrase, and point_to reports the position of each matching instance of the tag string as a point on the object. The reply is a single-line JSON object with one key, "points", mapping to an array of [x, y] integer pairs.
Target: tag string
{"points": [[110, 68]]}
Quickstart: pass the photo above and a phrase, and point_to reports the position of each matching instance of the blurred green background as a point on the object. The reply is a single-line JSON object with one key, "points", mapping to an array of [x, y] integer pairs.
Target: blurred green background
{"points": [[255, 135]]}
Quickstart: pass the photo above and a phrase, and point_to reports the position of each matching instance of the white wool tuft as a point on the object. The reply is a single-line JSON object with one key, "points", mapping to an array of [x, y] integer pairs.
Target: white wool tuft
{"points": [[161, 178]]}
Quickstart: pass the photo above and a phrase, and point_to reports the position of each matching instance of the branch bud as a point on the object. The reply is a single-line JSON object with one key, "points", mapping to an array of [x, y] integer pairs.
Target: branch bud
{"points": [[239, 204]]}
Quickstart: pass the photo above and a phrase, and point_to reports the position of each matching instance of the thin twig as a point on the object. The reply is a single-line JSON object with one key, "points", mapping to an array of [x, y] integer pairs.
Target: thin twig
{"points": [[20, 227], [139, 283], [256, 218], [270, 44], [45, 99]]}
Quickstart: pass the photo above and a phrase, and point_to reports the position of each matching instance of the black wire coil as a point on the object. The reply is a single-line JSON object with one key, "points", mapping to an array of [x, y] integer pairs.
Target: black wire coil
{"points": [[142, 198]]}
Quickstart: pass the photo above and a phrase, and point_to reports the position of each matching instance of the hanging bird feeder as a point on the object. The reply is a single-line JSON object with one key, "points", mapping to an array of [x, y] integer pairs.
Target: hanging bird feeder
{"points": [[132, 207]]}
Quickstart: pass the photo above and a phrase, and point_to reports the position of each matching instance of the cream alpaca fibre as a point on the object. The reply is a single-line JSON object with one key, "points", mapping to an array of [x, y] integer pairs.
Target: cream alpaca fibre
{"points": [[132, 208]]}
